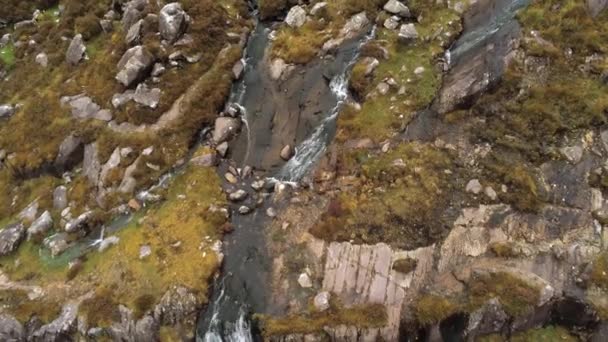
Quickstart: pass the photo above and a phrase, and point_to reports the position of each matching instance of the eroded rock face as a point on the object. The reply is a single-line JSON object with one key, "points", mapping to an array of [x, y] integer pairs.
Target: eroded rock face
{"points": [[10, 238], [10, 329], [61, 328], [172, 22], [178, 305], [134, 65]]}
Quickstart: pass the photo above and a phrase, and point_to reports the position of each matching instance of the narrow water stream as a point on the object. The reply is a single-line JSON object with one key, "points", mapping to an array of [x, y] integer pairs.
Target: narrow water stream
{"points": [[269, 123]]}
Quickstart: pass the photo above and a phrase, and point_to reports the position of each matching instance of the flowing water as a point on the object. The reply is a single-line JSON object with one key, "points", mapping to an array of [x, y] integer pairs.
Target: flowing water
{"points": [[242, 287]]}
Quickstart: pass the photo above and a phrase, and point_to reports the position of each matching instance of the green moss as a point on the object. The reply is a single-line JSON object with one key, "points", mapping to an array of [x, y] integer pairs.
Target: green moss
{"points": [[546, 334], [599, 271], [300, 45], [360, 316], [516, 296], [504, 249], [430, 309], [17, 303]]}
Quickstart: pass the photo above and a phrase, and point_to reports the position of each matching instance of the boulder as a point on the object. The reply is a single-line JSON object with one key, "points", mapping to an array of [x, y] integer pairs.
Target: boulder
{"points": [[42, 59], [91, 166], [296, 17], [119, 100], [287, 152], [408, 33], [319, 9], [304, 281], [146, 96], [398, 8], [158, 69], [133, 36], [392, 23], [10, 329], [133, 11], [112, 163], [225, 129], [473, 186], [207, 159], [70, 151], [321, 301], [78, 223], [6, 111], [177, 305], [60, 198], [134, 65], [574, 154], [30, 212], [57, 243], [172, 22], [76, 50], [10, 238], [238, 195], [41, 225]]}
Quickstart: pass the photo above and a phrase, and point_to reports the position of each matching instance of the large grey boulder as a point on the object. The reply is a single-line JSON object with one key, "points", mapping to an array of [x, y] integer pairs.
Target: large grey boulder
{"points": [[134, 34], [133, 11], [134, 65], [172, 22], [398, 8], [10, 238], [296, 17], [42, 225], [6, 111], [10, 329], [225, 129], [76, 50]]}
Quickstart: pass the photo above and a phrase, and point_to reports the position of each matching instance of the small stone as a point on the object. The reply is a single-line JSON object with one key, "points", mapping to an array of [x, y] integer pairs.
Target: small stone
{"points": [[419, 71], [145, 251], [321, 301], [148, 151], [271, 212], [134, 204], [383, 88], [60, 198], [474, 187], [392, 23], [158, 69], [146, 96], [574, 154], [42, 59], [230, 178], [296, 17], [244, 210], [287, 152], [408, 33], [490, 193], [238, 195], [304, 281], [6, 111], [397, 7], [237, 69], [258, 185]]}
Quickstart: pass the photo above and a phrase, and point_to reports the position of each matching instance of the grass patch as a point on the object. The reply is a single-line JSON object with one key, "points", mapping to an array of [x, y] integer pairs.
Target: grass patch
{"points": [[516, 296], [7, 56], [432, 309], [360, 316]]}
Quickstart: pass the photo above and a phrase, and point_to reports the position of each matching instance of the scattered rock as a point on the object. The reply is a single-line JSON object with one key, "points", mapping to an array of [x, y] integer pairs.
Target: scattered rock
{"points": [[296, 17], [134, 34], [419, 71], [360, 144], [57, 243], [225, 129], [172, 22], [258, 185], [6, 111], [391, 23], [10, 238], [158, 69], [91, 167], [78, 223], [178, 305], [64, 325], [222, 149], [230, 178], [271, 212], [574, 154], [287, 152], [42, 59], [30, 212], [237, 69], [147, 97], [134, 204], [207, 159], [370, 63], [319, 9], [383, 88], [490, 193], [321, 301], [408, 33], [238, 195], [145, 251], [134, 65], [119, 100], [277, 68], [304, 281], [473, 186], [41, 225], [245, 210], [76, 50], [398, 8], [60, 198]]}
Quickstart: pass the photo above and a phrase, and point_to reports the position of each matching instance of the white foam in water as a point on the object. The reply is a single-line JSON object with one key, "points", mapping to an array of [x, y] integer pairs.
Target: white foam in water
{"points": [[309, 151]]}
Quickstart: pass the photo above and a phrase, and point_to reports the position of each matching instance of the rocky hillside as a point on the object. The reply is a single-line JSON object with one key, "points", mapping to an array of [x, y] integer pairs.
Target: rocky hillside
{"points": [[459, 194]]}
